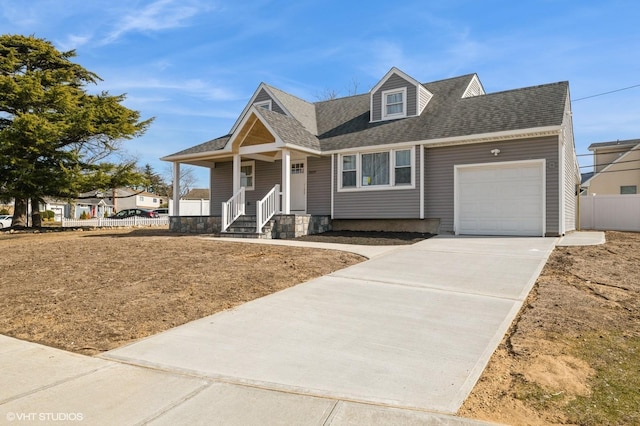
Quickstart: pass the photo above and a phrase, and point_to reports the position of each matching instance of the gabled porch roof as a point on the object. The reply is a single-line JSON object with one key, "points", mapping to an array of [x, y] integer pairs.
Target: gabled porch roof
{"points": [[260, 132]]}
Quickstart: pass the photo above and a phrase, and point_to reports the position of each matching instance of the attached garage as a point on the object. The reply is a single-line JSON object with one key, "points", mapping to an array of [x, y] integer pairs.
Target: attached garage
{"points": [[500, 199]]}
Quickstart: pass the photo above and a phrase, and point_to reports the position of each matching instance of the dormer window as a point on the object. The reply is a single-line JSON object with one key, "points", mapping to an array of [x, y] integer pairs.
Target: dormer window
{"points": [[395, 103], [263, 104], [397, 95]]}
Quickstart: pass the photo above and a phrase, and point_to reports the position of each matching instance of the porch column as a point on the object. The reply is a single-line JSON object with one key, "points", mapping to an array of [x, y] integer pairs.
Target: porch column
{"points": [[286, 182], [236, 173], [176, 189]]}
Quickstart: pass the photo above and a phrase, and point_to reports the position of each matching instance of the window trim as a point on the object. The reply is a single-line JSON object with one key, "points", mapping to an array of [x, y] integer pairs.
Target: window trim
{"points": [[385, 93], [251, 163], [392, 160], [262, 104]]}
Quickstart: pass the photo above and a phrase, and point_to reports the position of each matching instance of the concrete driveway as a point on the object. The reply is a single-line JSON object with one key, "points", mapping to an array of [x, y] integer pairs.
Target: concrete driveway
{"points": [[412, 328]]}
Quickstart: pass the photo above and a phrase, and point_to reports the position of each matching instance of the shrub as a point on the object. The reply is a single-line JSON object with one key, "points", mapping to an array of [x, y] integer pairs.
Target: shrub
{"points": [[84, 215], [47, 215], [4, 211]]}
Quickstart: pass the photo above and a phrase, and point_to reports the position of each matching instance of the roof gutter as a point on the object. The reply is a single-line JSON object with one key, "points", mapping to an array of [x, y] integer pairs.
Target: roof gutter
{"points": [[534, 132], [207, 155], [460, 140]]}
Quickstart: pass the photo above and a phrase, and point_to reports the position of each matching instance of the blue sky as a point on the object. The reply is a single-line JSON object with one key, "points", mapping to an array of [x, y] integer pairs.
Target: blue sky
{"points": [[193, 64]]}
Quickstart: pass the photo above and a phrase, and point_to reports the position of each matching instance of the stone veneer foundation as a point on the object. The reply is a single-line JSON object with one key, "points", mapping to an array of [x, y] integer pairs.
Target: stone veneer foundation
{"points": [[284, 226]]}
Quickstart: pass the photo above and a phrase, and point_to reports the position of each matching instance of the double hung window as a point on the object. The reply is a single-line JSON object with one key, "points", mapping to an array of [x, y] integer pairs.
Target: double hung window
{"points": [[377, 170], [247, 175], [394, 103]]}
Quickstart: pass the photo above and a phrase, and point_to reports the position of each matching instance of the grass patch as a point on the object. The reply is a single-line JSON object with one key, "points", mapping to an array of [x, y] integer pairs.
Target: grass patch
{"points": [[536, 396], [615, 398]]}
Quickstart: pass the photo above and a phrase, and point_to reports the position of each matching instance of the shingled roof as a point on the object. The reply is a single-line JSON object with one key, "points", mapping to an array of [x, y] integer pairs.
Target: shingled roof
{"points": [[289, 129], [629, 143], [344, 123]]}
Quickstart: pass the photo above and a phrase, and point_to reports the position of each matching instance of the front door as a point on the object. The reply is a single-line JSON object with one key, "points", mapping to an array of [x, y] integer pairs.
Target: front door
{"points": [[299, 186]]}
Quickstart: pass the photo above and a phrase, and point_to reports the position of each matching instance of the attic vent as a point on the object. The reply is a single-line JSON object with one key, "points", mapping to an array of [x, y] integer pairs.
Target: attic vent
{"points": [[474, 88]]}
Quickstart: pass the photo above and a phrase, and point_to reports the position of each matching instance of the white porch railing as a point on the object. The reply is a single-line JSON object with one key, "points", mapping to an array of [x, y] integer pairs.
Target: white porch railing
{"points": [[267, 207], [232, 209]]}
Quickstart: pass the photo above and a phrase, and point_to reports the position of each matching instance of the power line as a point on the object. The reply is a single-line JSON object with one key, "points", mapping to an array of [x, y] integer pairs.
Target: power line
{"points": [[608, 164], [606, 93], [615, 171]]}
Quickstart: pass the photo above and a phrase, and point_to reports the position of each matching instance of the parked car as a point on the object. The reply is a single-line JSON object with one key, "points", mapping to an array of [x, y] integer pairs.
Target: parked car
{"points": [[123, 214], [162, 212], [5, 221]]}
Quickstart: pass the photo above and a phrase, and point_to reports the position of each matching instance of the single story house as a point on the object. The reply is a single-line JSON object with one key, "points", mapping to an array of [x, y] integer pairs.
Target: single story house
{"points": [[442, 157], [616, 168], [128, 198], [93, 204]]}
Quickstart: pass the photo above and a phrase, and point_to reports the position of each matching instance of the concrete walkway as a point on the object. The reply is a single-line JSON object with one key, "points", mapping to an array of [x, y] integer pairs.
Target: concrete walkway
{"points": [[399, 339]]}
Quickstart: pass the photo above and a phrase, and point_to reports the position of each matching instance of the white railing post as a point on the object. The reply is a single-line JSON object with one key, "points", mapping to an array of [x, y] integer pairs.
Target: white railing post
{"points": [[267, 207], [233, 209]]}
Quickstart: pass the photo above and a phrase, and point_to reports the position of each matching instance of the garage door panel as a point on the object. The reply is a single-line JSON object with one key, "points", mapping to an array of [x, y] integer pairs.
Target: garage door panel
{"points": [[500, 199]]}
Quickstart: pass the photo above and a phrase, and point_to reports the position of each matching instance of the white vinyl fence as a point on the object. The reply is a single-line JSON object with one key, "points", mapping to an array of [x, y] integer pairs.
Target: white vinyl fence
{"points": [[104, 222], [610, 212], [191, 207]]}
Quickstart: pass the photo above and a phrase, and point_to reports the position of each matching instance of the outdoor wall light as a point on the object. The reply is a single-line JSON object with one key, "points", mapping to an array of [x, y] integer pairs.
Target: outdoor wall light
{"points": [[495, 152]]}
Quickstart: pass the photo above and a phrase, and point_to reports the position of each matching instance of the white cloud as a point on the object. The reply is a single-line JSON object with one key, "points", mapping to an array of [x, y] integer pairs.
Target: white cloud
{"points": [[148, 89], [74, 41], [157, 16]]}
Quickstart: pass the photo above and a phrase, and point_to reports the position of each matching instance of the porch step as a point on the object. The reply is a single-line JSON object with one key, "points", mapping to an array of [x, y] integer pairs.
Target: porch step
{"points": [[245, 227]]}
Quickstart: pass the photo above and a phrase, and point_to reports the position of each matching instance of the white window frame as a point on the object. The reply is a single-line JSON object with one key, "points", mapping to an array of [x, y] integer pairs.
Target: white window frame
{"points": [[342, 170], [392, 176], [263, 104], [385, 93], [251, 163], [395, 167]]}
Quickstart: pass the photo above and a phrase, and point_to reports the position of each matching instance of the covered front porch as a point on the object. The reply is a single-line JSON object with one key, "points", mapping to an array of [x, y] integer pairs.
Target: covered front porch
{"points": [[258, 185]]}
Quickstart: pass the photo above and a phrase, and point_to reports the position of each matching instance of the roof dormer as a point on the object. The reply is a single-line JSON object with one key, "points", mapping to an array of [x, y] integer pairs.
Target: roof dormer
{"points": [[474, 88], [397, 95]]}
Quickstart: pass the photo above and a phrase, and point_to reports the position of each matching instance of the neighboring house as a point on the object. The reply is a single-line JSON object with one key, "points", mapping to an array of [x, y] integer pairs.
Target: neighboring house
{"points": [[616, 168], [93, 204], [197, 194], [127, 198], [441, 156], [58, 207]]}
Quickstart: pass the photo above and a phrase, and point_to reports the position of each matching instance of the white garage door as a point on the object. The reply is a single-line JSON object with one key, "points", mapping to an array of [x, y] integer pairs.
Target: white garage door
{"points": [[500, 199]]}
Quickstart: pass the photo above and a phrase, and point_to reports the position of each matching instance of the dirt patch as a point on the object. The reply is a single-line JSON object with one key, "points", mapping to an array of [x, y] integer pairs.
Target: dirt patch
{"points": [[90, 292], [367, 238], [571, 356]]}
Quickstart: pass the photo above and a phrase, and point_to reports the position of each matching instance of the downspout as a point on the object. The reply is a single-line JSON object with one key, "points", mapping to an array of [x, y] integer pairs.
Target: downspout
{"points": [[422, 170], [333, 156]]}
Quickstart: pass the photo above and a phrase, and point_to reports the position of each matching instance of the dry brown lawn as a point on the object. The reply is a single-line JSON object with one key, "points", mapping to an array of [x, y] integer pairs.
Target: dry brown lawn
{"points": [[90, 292]]}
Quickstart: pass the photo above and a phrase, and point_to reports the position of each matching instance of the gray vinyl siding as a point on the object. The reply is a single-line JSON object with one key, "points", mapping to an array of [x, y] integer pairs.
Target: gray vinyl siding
{"points": [[571, 175], [266, 175], [439, 172], [319, 185], [264, 96], [382, 204], [393, 82], [221, 186]]}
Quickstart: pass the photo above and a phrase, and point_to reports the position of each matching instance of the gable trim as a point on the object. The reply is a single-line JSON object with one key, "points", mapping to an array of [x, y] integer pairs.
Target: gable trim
{"points": [[474, 88], [389, 73], [265, 87]]}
